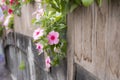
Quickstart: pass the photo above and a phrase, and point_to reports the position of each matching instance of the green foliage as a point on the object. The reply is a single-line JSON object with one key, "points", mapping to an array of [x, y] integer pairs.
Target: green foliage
{"points": [[28, 1], [66, 6], [73, 6], [99, 2], [87, 3], [57, 5], [1, 31], [78, 1], [15, 6], [11, 22], [53, 21]]}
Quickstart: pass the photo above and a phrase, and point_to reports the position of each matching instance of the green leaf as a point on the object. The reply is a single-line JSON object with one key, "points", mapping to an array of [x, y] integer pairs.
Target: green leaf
{"points": [[73, 7], [99, 2], [1, 31], [33, 20], [87, 3], [67, 0], [78, 1]]}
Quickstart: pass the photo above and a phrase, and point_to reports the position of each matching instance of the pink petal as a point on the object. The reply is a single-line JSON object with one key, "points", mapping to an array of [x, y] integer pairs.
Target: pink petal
{"points": [[35, 37], [51, 42], [56, 41], [56, 34], [47, 62]]}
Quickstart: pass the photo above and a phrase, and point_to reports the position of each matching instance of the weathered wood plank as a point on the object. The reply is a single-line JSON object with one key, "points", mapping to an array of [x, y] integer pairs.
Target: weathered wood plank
{"points": [[70, 47], [113, 41], [97, 39], [83, 32], [23, 23]]}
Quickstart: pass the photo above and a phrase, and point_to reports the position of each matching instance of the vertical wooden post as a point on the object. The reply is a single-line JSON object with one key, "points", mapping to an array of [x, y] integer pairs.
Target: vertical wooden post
{"points": [[70, 50]]}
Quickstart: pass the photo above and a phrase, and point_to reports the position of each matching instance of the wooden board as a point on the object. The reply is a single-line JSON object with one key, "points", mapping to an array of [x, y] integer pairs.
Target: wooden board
{"points": [[96, 45]]}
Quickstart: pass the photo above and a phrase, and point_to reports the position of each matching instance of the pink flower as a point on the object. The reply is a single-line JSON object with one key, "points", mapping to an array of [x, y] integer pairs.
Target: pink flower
{"points": [[53, 37], [39, 47], [23, 0], [2, 19], [2, 2], [37, 33], [39, 12], [10, 11], [47, 62], [11, 1], [4, 7], [7, 20]]}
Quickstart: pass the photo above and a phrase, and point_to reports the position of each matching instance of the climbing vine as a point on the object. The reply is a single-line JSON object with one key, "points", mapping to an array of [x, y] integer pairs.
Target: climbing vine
{"points": [[50, 36]]}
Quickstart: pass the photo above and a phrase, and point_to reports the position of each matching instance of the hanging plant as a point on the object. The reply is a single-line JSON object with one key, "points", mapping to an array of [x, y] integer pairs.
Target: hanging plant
{"points": [[75, 3], [50, 38]]}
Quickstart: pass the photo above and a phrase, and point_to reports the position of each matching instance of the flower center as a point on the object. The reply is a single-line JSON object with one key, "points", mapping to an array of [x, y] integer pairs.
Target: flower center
{"points": [[37, 33], [10, 11], [52, 37], [48, 62], [39, 47]]}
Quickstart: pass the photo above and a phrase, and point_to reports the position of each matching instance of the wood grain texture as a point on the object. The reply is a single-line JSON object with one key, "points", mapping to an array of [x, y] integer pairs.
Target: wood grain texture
{"points": [[96, 33], [71, 47], [23, 24]]}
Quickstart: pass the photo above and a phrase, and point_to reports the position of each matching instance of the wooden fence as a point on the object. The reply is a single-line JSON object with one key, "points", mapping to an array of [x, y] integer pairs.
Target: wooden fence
{"points": [[94, 40], [93, 46]]}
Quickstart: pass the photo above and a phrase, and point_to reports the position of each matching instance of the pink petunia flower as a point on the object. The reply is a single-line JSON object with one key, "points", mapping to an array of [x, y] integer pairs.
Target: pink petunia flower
{"points": [[47, 62], [53, 38], [39, 46], [37, 33]]}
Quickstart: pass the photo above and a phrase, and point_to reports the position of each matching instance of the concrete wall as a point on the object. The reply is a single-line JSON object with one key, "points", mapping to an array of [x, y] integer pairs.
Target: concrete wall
{"points": [[20, 48]]}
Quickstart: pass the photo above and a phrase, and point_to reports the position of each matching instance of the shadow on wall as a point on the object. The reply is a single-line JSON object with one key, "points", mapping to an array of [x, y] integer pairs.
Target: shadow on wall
{"points": [[83, 74]]}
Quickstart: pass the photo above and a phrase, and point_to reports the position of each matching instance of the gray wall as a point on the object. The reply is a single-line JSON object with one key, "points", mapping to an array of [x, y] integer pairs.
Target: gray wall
{"points": [[19, 48]]}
